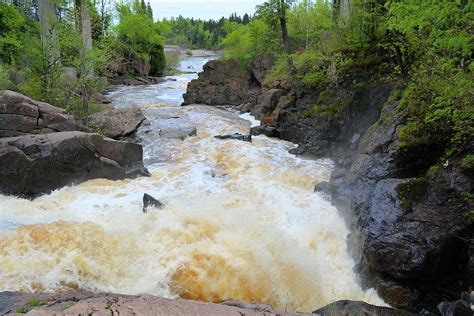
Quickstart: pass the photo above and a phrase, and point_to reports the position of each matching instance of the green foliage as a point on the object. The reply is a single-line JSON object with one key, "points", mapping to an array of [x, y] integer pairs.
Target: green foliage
{"points": [[12, 25], [172, 61], [141, 38], [196, 33], [440, 94], [35, 302], [21, 310], [467, 164], [5, 82], [245, 42]]}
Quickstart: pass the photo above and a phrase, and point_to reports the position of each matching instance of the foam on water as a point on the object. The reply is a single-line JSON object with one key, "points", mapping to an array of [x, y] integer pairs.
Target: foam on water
{"points": [[241, 222]]}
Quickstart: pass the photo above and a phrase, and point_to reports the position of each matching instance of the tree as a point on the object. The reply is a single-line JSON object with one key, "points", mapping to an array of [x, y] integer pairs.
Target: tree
{"points": [[86, 64], [149, 10], [274, 12]]}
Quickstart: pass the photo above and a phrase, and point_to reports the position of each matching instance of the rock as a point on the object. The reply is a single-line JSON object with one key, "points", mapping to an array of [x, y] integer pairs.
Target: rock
{"points": [[269, 131], [260, 67], [222, 82], [100, 98], [20, 115], [324, 187], [118, 123], [132, 82], [149, 201], [35, 164], [349, 308], [456, 308], [181, 132], [257, 307], [298, 151], [86, 303], [412, 232], [236, 136]]}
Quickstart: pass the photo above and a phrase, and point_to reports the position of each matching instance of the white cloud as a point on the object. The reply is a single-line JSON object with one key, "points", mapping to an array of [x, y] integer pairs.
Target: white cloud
{"points": [[203, 9]]}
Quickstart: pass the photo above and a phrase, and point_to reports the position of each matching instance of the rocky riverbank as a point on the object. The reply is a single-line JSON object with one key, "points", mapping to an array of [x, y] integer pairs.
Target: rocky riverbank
{"points": [[48, 149], [410, 234], [85, 303]]}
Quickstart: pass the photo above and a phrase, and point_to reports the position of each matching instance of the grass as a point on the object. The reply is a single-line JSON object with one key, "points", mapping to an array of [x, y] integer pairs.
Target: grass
{"points": [[34, 302]]}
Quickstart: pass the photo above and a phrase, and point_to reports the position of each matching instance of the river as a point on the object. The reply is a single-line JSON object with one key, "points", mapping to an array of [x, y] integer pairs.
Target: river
{"points": [[240, 220]]}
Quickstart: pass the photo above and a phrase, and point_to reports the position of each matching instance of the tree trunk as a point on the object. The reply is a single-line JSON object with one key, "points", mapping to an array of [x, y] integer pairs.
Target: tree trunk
{"points": [[284, 29], [87, 65], [86, 35], [49, 34]]}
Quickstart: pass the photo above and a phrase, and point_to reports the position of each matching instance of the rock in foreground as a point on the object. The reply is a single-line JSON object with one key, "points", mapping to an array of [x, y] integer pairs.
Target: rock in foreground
{"points": [[35, 164], [86, 303], [118, 123], [20, 115], [114, 304]]}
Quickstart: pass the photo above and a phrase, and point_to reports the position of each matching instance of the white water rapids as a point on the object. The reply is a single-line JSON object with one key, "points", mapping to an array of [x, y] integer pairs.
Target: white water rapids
{"points": [[241, 220]]}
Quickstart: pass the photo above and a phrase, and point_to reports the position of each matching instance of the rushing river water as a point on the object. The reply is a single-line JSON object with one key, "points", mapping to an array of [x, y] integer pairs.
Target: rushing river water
{"points": [[241, 220]]}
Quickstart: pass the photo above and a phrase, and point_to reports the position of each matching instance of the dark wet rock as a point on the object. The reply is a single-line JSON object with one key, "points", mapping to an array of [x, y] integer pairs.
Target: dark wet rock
{"points": [[269, 131], [31, 165], [222, 82], [20, 115], [86, 303], [119, 122], [236, 136], [260, 68], [461, 307], [324, 187], [298, 151], [411, 232], [149, 201], [349, 308]]}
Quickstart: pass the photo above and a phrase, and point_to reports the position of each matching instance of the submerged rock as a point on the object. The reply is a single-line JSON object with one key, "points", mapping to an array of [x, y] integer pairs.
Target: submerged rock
{"points": [[181, 132], [20, 115], [236, 136], [35, 164], [149, 201], [118, 123]]}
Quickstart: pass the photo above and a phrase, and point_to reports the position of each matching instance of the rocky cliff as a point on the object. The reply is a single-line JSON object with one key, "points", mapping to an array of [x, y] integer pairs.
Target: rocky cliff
{"points": [[411, 234]]}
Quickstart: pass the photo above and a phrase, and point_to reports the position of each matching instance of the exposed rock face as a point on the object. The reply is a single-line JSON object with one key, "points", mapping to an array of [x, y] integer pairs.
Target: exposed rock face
{"points": [[222, 83], [20, 115], [84, 303], [118, 123], [410, 232], [348, 308], [34, 164]]}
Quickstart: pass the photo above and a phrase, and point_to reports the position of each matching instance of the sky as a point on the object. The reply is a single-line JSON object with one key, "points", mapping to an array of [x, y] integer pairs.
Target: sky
{"points": [[202, 9]]}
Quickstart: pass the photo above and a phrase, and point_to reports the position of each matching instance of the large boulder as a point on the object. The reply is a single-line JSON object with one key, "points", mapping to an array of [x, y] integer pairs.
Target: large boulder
{"points": [[222, 82], [34, 164], [20, 115], [118, 123]]}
